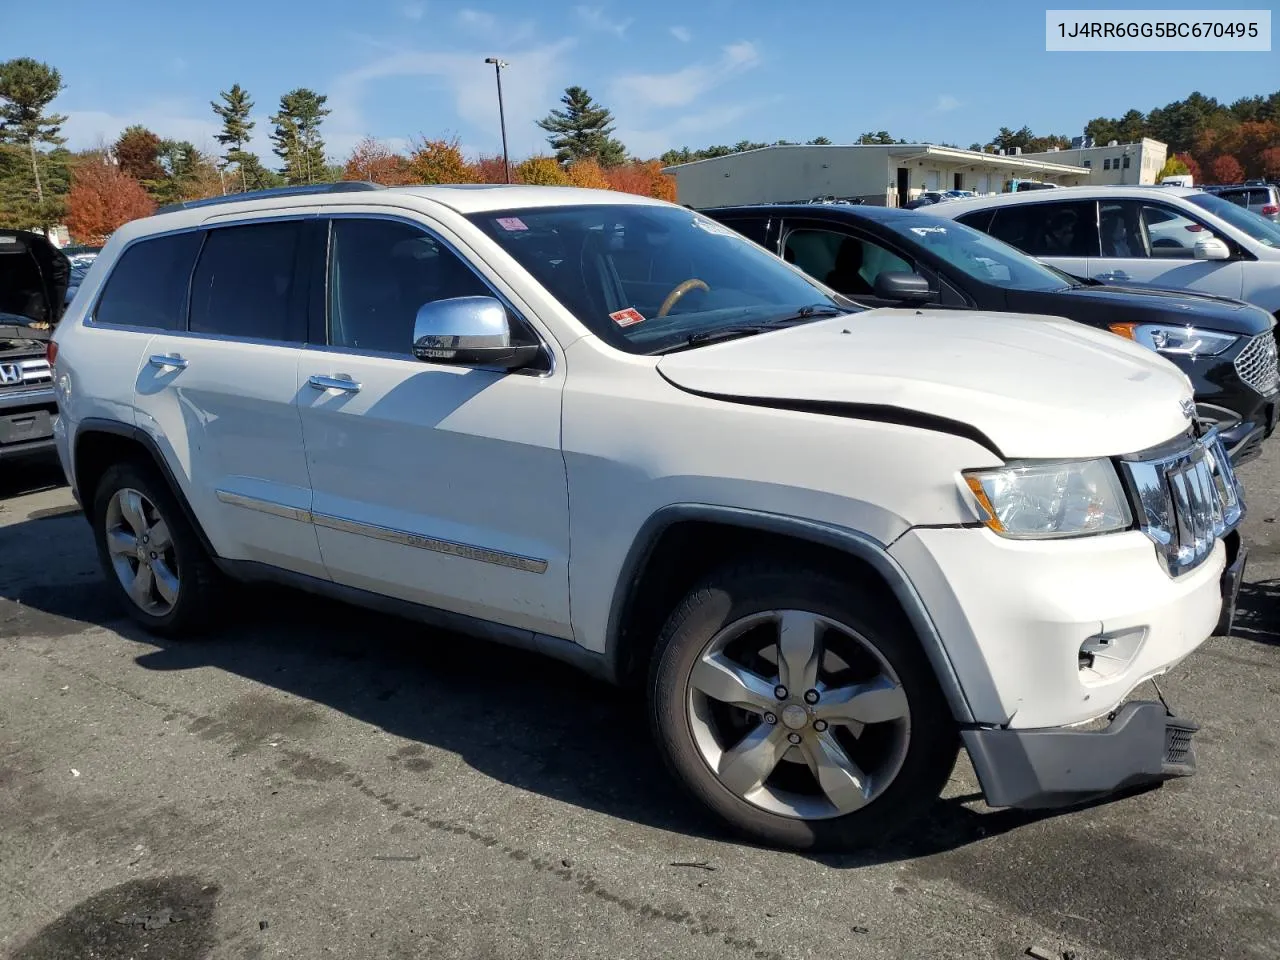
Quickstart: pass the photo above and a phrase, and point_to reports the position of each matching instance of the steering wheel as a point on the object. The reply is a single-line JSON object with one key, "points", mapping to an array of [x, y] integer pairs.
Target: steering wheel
{"points": [[674, 296]]}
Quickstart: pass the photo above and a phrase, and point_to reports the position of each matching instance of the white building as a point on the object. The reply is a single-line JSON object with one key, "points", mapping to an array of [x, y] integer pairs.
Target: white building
{"points": [[1116, 162], [882, 174]]}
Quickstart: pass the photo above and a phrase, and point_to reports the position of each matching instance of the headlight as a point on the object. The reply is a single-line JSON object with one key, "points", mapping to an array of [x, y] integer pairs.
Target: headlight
{"points": [[1175, 341], [1033, 501]]}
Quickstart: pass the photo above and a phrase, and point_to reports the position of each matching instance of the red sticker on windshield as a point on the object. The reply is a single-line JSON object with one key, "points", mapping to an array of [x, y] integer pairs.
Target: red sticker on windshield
{"points": [[628, 317], [511, 223]]}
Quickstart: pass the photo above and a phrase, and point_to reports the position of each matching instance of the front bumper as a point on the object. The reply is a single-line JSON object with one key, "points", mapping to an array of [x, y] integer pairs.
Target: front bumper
{"points": [[1037, 769]]}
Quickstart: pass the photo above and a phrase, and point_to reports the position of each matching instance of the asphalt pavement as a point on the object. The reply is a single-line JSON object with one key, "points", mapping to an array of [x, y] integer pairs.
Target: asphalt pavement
{"points": [[319, 781]]}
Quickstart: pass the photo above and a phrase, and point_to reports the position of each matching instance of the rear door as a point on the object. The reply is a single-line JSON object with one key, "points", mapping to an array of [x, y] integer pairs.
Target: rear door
{"points": [[219, 394], [1062, 233], [1152, 242]]}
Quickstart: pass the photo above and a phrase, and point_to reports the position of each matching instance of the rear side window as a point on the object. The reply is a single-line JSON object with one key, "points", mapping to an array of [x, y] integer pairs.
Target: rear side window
{"points": [[244, 284], [1064, 229], [979, 220], [148, 285], [755, 229]]}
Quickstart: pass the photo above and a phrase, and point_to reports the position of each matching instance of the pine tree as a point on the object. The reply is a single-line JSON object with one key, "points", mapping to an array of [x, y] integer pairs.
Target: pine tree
{"points": [[583, 130], [297, 136], [27, 87], [236, 127]]}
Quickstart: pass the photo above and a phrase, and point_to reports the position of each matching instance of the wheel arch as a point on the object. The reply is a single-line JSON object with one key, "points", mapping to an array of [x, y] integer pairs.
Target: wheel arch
{"points": [[647, 584], [100, 442]]}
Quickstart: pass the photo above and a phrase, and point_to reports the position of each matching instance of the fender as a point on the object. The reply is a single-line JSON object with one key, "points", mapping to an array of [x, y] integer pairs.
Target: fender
{"points": [[139, 436], [852, 542]]}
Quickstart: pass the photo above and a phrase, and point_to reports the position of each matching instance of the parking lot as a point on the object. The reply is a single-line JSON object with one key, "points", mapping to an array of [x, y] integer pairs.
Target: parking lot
{"points": [[318, 781]]}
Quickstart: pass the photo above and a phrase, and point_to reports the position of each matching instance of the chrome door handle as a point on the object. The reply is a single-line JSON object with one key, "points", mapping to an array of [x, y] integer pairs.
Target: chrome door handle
{"points": [[341, 382], [175, 361]]}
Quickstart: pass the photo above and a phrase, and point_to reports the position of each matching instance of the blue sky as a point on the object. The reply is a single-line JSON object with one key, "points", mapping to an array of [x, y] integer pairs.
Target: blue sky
{"points": [[691, 73]]}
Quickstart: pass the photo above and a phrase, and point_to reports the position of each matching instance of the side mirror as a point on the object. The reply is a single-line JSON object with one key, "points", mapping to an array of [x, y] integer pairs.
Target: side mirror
{"points": [[470, 331], [902, 286], [1211, 248]]}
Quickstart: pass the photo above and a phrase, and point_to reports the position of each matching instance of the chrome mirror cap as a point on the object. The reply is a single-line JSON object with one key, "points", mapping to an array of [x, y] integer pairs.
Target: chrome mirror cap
{"points": [[469, 331]]}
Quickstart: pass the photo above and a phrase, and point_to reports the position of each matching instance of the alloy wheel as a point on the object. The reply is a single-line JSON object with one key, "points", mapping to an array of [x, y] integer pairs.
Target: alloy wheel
{"points": [[141, 551]]}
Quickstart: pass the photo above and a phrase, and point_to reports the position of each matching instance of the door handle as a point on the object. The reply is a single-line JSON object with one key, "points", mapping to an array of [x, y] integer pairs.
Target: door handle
{"points": [[340, 382], [173, 360], [1112, 275]]}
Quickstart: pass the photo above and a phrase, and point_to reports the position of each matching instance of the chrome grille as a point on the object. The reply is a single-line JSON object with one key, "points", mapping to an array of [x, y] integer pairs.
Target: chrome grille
{"points": [[1186, 501], [25, 373], [1258, 365]]}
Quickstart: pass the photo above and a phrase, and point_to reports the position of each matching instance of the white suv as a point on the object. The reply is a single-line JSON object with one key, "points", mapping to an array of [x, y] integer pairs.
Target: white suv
{"points": [[1174, 237], [832, 543]]}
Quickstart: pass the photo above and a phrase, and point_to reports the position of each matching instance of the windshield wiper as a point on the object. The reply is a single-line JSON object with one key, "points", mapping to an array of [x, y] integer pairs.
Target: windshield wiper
{"points": [[714, 336], [810, 312]]}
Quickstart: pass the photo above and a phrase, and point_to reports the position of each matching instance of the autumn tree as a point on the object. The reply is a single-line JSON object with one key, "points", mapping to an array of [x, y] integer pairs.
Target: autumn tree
{"points": [[1192, 166], [188, 173], [540, 171], [440, 161], [137, 151], [490, 169], [234, 111], [102, 199], [587, 173], [1173, 167], [374, 161], [644, 178], [297, 135], [583, 129], [1226, 169], [1269, 161], [27, 87]]}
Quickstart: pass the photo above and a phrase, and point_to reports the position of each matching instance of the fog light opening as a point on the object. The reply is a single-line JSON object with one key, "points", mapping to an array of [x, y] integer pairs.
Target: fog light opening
{"points": [[1104, 656]]}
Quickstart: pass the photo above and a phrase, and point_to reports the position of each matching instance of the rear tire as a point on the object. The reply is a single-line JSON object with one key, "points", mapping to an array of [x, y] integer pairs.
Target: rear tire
{"points": [[150, 554], [859, 753]]}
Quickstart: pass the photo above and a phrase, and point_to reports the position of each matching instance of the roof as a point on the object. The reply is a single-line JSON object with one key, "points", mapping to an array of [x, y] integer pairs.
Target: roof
{"points": [[1101, 192], [826, 211], [908, 151]]}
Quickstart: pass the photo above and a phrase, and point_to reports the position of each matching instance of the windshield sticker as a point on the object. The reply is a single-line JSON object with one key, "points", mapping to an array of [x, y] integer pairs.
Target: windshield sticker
{"points": [[627, 318], [925, 231], [511, 223]]}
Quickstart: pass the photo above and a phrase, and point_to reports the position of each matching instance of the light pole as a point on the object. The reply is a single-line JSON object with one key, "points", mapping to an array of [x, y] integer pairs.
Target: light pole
{"points": [[502, 119]]}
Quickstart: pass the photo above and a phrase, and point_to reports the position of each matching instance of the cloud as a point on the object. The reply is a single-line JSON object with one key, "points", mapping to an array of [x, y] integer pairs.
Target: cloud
{"points": [[682, 34], [478, 21], [414, 10], [650, 142], [684, 86], [86, 129], [594, 18], [946, 102]]}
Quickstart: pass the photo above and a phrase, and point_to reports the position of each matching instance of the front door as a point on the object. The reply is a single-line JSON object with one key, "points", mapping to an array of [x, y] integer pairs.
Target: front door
{"points": [[1153, 243], [220, 396], [904, 185], [437, 484]]}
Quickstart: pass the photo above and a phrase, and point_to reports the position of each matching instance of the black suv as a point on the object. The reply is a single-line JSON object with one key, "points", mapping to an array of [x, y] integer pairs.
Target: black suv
{"points": [[887, 257]]}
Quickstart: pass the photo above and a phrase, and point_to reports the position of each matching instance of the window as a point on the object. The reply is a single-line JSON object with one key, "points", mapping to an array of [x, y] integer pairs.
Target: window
{"points": [[380, 273], [647, 278], [1089, 164], [1131, 228], [979, 220], [845, 263], [1253, 225], [1126, 161], [755, 229], [148, 286], [244, 282], [979, 256], [1106, 163], [1057, 229]]}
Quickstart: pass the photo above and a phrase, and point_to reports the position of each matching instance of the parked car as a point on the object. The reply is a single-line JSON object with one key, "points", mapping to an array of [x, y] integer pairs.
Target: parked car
{"points": [[33, 280], [831, 543], [895, 258], [1260, 198], [928, 198], [1138, 234]]}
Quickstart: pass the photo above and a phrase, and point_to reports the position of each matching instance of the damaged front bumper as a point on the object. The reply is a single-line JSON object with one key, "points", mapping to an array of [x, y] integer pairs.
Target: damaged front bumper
{"points": [[1058, 767]]}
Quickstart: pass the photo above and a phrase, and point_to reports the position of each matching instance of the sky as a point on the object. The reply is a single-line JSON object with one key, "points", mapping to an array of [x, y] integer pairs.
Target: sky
{"points": [[674, 72]]}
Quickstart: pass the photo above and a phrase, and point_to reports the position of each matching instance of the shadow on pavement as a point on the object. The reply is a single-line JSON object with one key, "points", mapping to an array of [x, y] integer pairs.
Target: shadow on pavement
{"points": [[1258, 612], [31, 475], [519, 718]]}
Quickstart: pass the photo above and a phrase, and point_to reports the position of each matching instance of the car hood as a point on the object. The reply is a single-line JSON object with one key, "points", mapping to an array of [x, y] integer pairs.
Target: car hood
{"points": [[1036, 387], [1180, 306]]}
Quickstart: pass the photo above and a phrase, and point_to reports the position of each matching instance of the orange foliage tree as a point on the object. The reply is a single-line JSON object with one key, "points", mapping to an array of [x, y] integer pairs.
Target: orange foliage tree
{"points": [[490, 170], [374, 161], [102, 199], [588, 173], [1270, 162], [1226, 169], [645, 178], [1193, 168], [440, 161], [540, 171]]}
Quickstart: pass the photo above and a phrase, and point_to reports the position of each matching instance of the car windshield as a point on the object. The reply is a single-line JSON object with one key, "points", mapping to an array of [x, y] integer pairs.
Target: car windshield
{"points": [[648, 278], [1246, 221], [980, 256]]}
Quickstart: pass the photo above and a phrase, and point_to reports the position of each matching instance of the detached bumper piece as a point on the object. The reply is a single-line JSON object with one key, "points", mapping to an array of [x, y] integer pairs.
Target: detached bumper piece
{"points": [[1042, 769], [1232, 576]]}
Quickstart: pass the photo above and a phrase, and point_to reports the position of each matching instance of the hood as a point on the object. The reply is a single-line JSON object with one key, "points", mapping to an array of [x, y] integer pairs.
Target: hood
{"points": [[1036, 387], [34, 275], [1178, 306]]}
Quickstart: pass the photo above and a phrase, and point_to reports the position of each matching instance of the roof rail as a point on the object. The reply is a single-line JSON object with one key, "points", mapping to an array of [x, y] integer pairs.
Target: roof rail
{"points": [[345, 186]]}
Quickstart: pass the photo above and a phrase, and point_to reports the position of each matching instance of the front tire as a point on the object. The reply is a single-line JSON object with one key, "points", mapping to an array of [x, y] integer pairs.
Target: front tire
{"points": [[799, 708], [150, 554]]}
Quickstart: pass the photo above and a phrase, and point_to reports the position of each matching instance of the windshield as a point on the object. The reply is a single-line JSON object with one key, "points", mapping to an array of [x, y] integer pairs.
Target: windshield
{"points": [[647, 278], [980, 256], [1246, 221]]}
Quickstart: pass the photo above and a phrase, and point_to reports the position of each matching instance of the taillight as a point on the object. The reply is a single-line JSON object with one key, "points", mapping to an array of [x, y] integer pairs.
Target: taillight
{"points": [[51, 353], [1270, 210], [1194, 227]]}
